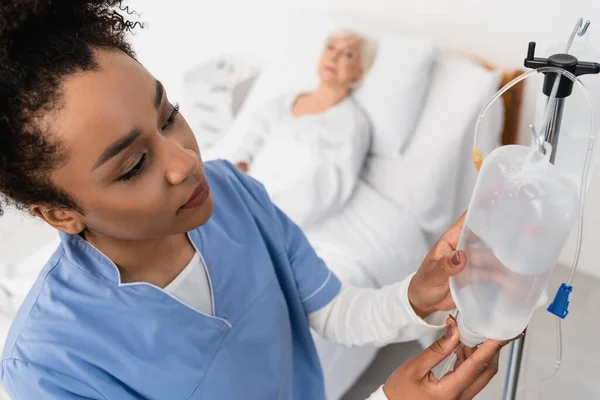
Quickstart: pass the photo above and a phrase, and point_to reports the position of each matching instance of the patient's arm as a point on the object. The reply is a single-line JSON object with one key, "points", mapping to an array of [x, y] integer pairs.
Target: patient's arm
{"points": [[359, 317], [242, 166]]}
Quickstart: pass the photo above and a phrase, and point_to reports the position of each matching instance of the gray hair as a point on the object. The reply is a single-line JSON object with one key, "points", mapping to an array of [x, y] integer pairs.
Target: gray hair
{"points": [[367, 48]]}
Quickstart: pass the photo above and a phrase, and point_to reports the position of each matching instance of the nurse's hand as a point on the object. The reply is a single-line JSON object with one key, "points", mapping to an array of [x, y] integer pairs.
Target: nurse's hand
{"points": [[472, 372], [429, 289]]}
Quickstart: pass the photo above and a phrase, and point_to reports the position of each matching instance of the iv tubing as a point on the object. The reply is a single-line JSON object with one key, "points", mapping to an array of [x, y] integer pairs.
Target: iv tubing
{"points": [[552, 98], [477, 157], [582, 193], [572, 37], [548, 109], [558, 359]]}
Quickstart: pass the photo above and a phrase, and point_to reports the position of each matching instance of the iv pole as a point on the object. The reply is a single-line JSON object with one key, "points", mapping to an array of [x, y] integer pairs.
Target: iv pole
{"points": [[551, 134]]}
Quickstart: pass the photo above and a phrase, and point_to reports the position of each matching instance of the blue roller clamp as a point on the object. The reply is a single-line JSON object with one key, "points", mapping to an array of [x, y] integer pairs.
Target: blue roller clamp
{"points": [[560, 304]]}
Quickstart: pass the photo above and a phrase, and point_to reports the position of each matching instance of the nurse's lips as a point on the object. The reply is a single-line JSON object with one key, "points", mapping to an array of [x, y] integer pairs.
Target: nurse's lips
{"points": [[199, 195]]}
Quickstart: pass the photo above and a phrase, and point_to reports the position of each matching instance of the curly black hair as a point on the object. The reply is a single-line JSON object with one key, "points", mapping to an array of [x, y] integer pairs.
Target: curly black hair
{"points": [[41, 43]]}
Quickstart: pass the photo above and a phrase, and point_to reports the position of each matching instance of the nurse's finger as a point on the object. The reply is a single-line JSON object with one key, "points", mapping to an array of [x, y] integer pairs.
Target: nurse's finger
{"points": [[473, 367], [468, 351], [451, 236], [460, 355], [482, 381], [460, 221], [422, 364], [448, 265]]}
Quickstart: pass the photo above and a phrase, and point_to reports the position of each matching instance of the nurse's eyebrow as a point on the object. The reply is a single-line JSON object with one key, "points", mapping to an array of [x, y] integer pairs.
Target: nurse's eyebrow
{"points": [[117, 146], [160, 89], [126, 141]]}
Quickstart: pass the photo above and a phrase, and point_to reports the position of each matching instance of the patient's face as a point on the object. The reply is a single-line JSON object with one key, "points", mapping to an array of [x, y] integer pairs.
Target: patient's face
{"points": [[340, 62], [132, 161]]}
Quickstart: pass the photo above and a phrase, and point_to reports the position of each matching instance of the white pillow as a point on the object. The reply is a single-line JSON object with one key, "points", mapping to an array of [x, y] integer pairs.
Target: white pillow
{"points": [[392, 94], [425, 178]]}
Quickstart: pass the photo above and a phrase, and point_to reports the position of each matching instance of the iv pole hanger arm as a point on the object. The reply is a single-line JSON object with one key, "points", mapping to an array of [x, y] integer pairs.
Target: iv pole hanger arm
{"points": [[569, 63], [585, 68], [564, 60]]}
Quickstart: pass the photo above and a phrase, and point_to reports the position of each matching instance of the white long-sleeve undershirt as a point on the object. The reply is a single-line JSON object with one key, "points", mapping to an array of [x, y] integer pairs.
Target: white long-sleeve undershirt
{"points": [[359, 317]]}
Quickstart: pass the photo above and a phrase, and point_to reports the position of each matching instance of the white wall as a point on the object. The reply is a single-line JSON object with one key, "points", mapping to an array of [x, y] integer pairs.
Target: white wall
{"points": [[188, 32]]}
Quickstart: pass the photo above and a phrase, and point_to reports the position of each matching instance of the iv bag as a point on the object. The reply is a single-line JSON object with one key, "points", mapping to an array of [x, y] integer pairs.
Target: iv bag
{"points": [[520, 215], [575, 126]]}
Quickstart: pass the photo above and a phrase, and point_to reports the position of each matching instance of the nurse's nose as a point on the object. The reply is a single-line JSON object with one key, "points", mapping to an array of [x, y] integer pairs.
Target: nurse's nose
{"points": [[181, 164]]}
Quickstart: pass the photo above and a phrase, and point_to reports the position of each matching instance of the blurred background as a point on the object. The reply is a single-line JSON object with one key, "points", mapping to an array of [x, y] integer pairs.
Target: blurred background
{"points": [[189, 45]]}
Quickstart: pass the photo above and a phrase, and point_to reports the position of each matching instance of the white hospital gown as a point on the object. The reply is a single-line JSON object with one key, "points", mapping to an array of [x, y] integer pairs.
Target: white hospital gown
{"points": [[308, 164]]}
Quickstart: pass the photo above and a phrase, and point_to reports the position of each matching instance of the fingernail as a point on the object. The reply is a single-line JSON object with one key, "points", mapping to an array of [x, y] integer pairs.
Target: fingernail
{"points": [[448, 331], [452, 318], [455, 260]]}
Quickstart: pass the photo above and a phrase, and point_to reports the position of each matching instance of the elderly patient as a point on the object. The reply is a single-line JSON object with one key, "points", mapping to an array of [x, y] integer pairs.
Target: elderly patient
{"points": [[308, 148]]}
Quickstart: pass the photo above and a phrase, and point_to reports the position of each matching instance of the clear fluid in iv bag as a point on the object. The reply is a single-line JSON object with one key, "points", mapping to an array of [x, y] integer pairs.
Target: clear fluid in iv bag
{"points": [[496, 300], [519, 217]]}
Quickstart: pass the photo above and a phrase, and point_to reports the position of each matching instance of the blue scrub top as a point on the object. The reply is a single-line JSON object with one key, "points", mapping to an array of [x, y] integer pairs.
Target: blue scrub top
{"points": [[82, 334]]}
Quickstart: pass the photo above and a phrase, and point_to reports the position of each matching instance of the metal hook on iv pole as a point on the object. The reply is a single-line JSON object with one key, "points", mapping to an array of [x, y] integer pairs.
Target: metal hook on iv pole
{"points": [[579, 30], [584, 29]]}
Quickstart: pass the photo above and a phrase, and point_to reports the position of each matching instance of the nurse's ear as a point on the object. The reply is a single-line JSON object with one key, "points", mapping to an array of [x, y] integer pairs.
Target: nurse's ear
{"points": [[65, 220]]}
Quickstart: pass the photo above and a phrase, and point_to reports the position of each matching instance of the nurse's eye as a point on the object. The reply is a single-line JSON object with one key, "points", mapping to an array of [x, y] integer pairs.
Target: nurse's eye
{"points": [[349, 55], [330, 47], [172, 117], [137, 168]]}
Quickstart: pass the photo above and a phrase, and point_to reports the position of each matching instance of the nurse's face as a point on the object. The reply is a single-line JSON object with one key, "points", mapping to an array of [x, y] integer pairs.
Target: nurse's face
{"points": [[133, 163]]}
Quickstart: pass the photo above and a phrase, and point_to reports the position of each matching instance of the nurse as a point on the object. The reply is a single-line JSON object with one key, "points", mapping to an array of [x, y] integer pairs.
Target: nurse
{"points": [[175, 279]]}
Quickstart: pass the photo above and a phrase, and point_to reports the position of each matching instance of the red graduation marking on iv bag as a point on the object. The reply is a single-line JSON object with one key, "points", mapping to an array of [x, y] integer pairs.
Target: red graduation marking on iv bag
{"points": [[491, 195], [534, 229]]}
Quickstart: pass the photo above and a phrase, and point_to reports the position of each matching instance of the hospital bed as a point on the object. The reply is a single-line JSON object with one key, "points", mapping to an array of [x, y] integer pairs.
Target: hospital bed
{"points": [[402, 203]]}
